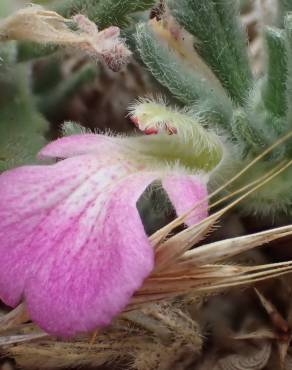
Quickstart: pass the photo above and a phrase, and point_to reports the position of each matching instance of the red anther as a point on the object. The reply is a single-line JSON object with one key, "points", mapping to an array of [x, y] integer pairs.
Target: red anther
{"points": [[171, 130], [150, 131], [134, 119]]}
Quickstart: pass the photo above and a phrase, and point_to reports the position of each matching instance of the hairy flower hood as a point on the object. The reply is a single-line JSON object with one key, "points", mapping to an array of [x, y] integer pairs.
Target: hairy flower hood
{"points": [[72, 244]]}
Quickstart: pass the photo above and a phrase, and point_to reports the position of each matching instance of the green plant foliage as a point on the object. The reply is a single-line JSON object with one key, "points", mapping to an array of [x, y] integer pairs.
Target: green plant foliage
{"points": [[6, 6], [24, 104], [284, 6], [274, 86], [184, 83], [22, 128], [219, 39], [241, 126], [27, 51], [253, 112], [104, 12]]}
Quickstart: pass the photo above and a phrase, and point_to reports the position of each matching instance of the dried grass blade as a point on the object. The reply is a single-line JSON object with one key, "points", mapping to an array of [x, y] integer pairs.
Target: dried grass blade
{"points": [[175, 246], [249, 278], [15, 317], [13, 339], [223, 249], [259, 334], [225, 277], [275, 316]]}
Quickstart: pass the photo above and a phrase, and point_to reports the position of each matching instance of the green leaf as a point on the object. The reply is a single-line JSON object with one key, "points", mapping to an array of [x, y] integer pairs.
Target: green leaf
{"points": [[284, 6], [248, 139], [27, 51], [22, 128], [104, 12], [274, 86], [219, 39], [181, 80]]}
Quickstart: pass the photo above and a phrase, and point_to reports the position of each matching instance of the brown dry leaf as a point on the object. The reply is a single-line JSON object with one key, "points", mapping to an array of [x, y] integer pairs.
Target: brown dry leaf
{"points": [[34, 23]]}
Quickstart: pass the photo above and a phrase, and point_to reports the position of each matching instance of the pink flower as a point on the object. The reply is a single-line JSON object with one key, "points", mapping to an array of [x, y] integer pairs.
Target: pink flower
{"points": [[72, 244]]}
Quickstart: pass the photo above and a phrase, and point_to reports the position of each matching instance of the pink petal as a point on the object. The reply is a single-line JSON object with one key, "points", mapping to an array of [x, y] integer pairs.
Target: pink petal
{"points": [[72, 244], [184, 192], [74, 145]]}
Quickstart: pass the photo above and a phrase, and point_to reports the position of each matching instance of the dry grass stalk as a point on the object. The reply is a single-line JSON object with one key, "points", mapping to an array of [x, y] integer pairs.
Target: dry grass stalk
{"points": [[14, 318], [155, 336]]}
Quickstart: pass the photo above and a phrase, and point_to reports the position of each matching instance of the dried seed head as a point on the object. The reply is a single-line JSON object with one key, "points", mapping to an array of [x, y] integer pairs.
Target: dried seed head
{"points": [[106, 44], [33, 23], [42, 26]]}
